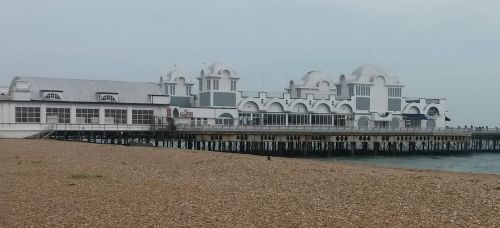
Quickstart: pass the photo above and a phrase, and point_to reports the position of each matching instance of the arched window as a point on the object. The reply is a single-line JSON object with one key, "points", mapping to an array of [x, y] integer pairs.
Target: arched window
{"points": [[176, 113], [108, 98], [225, 119], [363, 122], [433, 111], [225, 73], [52, 96], [394, 123]]}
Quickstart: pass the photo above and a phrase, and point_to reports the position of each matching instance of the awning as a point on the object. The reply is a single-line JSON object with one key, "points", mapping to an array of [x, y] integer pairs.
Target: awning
{"points": [[387, 117], [415, 116], [446, 118]]}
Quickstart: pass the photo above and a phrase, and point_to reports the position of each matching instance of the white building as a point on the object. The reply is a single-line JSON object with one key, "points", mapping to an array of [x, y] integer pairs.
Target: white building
{"points": [[367, 98]]}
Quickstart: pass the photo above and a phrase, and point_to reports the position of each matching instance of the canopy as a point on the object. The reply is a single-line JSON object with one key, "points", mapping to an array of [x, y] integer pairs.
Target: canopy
{"points": [[415, 116]]}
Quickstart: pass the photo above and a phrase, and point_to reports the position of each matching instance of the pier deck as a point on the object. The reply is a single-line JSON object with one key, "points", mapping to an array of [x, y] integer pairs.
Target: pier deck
{"points": [[296, 141]]}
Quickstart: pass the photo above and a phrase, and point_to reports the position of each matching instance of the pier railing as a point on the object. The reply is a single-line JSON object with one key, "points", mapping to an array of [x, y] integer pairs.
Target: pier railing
{"points": [[326, 129]]}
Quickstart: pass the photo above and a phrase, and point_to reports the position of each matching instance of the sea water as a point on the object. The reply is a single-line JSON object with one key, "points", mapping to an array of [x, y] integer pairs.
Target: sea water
{"points": [[472, 163]]}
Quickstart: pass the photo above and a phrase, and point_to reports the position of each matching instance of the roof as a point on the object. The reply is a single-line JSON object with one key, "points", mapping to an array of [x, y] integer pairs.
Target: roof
{"points": [[312, 79], [176, 75], [368, 72], [86, 90], [4, 89], [216, 69]]}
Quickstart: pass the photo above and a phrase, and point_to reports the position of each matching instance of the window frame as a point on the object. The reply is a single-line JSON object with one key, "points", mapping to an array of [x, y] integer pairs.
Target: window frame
{"points": [[106, 98], [88, 114], [142, 116], [52, 96], [63, 114], [25, 114], [114, 113]]}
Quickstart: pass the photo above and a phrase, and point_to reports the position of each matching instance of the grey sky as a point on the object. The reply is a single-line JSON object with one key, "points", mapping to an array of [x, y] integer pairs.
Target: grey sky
{"points": [[444, 48]]}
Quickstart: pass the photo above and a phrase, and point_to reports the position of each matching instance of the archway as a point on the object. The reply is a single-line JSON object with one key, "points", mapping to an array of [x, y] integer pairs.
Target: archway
{"points": [[299, 108], [345, 109], [433, 111], [379, 93], [413, 110], [275, 107], [250, 106], [394, 123], [323, 108], [225, 119], [176, 113], [363, 122]]}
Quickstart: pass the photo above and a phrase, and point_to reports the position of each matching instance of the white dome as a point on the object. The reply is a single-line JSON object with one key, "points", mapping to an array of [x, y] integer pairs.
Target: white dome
{"points": [[176, 75], [217, 69], [312, 79], [366, 74]]}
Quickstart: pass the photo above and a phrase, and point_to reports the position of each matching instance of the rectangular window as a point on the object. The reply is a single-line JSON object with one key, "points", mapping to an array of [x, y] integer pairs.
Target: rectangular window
{"points": [[115, 116], [58, 115], [363, 90], [298, 119], [274, 119], [172, 89], [233, 85], [87, 116], [343, 120], [208, 84], [188, 90], [321, 119], [142, 116], [394, 92], [216, 84], [27, 115], [201, 85]]}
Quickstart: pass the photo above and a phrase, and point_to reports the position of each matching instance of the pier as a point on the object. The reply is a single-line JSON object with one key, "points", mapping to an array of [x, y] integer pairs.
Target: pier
{"points": [[291, 141]]}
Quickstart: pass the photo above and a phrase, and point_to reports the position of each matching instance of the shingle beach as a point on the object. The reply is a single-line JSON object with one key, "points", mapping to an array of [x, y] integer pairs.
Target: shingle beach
{"points": [[47, 183]]}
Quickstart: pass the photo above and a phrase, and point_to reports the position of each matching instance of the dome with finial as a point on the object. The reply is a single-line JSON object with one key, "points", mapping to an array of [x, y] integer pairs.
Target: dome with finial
{"points": [[368, 72], [219, 69], [176, 75], [313, 79]]}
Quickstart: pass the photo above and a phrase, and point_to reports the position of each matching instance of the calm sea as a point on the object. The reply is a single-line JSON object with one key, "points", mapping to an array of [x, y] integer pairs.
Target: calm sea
{"points": [[473, 162]]}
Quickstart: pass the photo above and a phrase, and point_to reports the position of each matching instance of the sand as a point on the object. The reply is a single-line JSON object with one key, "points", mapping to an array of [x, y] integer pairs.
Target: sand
{"points": [[45, 183]]}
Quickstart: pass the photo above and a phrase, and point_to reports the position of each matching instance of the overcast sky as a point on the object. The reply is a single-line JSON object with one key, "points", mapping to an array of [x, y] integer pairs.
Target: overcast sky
{"points": [[447, 48]]}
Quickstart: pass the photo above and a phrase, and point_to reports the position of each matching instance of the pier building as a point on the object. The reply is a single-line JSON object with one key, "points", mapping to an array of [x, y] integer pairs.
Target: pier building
{"points": [[364, 112], [367, 98]]}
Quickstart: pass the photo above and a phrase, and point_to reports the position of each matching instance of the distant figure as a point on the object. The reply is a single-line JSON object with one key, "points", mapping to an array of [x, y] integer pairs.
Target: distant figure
{"points": [[268, 158]]}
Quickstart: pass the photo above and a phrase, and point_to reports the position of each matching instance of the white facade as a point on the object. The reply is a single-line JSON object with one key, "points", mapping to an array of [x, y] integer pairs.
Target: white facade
{"points": [[366, 98]]}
